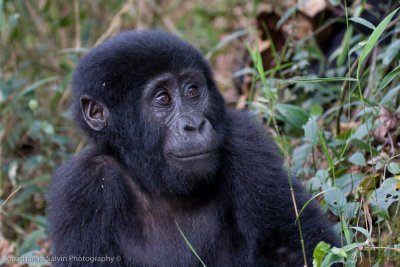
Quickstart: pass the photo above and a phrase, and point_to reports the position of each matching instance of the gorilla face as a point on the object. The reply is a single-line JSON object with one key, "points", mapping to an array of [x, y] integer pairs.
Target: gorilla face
{"points": [[178, 103], [149, 100]]}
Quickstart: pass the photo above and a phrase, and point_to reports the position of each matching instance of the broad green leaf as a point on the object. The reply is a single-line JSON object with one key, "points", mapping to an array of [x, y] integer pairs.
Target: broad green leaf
{"points": [[330, 259], [311, 131], [364, 146], [363, 22], [336, 200], [339, 251], [320, 251], [373, 39], [386, 194], [292, 114], [316, 110], [358, 159], [300, 155], [347, 182], [394, 167]]}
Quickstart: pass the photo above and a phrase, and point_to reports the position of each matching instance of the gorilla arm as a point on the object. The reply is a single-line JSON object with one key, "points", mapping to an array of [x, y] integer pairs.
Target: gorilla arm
{"points": [[87, 204], [264, 206]]}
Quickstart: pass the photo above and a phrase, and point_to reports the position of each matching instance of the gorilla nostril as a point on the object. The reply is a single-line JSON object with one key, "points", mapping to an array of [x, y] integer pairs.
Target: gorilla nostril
{"points": [[189, 128]]}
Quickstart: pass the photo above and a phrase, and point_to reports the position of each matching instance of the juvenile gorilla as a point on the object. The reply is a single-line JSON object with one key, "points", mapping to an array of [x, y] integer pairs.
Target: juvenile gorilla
{"points": [[166, 157]]}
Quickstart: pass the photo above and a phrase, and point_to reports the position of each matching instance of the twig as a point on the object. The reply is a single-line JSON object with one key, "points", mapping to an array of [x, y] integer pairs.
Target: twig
{"points": [[10, 196], [115, 22], [343, 95]]}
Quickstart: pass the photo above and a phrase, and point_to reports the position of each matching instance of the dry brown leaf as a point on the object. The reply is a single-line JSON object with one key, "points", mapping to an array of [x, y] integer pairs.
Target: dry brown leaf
{"points": [[310, 8], [387, 121]]}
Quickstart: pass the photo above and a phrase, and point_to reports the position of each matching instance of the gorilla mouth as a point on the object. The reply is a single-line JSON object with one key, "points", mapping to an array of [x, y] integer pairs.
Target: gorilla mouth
{"points": [[191, 156]]}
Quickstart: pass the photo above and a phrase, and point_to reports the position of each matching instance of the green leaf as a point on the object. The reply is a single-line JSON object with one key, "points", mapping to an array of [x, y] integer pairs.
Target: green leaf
{"points": [[336, 200], [334, 2], [30, 242], [311, 131], [320, 251], [390, 96], [373, 40], [394, 167], [330, 259], [352, 246], [316, 110], [358, 159], [388, 193], [363, 231], [388, 78], [363, 22], [300, 155], [339, 251], [292, 114]]}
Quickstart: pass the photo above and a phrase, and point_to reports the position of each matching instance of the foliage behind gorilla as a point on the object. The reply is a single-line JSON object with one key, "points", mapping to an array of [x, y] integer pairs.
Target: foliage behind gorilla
{"points": [[166, 155]]}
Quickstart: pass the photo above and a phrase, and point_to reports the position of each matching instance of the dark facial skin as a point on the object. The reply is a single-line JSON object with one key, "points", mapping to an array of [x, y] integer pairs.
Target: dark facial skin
{"points": [[175, 102]]}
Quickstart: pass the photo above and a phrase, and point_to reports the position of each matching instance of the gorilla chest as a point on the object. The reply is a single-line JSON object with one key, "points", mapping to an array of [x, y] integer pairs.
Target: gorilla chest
{"points": [[164, 233]]}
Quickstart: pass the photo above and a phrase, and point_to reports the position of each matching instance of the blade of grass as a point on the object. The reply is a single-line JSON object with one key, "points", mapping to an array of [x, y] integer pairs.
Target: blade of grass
{"points": [[189, 245], [363, 22], [388, 78], [311, 199], [35, 85], [373, 39], [317, 80]]}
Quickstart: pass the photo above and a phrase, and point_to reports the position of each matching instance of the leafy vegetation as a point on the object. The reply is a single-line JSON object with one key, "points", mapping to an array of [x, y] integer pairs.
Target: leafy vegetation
{"points": [[332, 103]]}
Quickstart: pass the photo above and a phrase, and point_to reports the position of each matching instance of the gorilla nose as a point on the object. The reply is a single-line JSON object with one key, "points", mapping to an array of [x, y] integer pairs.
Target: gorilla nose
{"points": [[192, 124]]}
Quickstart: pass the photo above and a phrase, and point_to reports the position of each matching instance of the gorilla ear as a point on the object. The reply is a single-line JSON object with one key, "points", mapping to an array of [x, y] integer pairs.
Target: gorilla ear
{"points": [[95, 113]]}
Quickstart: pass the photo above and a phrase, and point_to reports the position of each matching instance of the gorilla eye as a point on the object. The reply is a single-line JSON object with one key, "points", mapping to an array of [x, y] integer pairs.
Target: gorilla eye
{"points": [[192, 91], [163, 98]]}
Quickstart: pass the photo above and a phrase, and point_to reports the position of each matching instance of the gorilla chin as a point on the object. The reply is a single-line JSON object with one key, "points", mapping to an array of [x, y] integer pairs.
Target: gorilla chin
{"points": [[199, 163]]}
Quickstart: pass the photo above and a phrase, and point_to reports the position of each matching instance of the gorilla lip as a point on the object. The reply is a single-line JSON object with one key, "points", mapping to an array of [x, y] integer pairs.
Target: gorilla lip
{"points": [[192, 156]]}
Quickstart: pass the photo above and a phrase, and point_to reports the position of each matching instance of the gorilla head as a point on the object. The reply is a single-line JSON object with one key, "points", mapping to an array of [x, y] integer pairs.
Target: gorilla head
{"points": [[149, 99]]}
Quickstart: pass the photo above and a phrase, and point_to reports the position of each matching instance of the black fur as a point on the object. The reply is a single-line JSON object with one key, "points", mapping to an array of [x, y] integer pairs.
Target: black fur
{"points": [[121, 198]]}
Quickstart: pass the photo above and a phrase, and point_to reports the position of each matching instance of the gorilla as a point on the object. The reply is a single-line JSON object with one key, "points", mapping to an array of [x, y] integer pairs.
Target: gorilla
{"points": [[171, 177]]}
